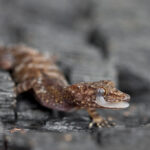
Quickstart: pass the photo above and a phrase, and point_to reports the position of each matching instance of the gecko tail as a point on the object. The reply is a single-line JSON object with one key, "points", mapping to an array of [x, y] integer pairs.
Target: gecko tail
{"points": [[6, 59]]}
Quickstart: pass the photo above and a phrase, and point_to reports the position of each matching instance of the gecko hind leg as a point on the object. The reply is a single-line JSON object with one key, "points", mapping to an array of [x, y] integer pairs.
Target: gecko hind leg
{"points": [[20, 88], [98, 120], [25, 86]]}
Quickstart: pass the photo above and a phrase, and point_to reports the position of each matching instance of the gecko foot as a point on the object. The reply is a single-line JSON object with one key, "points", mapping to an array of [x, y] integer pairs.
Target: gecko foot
{"points": [[100, 122]]}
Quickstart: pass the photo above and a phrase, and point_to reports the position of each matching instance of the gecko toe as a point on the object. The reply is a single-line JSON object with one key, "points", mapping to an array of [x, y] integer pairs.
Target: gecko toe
{"points": [[102, 123]]}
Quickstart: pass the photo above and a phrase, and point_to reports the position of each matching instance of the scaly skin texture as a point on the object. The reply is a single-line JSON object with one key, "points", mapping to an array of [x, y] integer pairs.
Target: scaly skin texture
{"points": [[33, 71]]}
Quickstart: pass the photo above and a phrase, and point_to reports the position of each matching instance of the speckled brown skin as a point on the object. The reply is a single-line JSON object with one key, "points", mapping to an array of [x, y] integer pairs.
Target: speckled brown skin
{"points": [[84, 94], [33, 71]]}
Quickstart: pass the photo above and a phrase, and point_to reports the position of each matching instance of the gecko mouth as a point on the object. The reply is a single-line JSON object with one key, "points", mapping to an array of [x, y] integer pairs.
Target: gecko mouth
{"points": [[116, 105]]}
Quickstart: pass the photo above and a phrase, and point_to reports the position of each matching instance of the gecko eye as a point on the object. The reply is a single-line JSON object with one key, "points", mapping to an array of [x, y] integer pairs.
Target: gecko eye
{"points": [[101, 92]]}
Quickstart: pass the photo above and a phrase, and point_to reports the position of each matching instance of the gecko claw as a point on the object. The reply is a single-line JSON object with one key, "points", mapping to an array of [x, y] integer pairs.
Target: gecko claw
{"points": [[101, 123]]}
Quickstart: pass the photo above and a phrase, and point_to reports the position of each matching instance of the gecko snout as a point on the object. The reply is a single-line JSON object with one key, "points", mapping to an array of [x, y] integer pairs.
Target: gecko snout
{"points": [[126, 98]]}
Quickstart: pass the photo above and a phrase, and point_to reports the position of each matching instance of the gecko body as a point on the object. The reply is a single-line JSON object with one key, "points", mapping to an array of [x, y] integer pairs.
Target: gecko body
{"points": [[33, 71]]}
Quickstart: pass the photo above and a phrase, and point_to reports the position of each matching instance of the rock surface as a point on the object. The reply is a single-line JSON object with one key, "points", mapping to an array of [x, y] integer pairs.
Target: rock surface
{"points": [[92, 40]]}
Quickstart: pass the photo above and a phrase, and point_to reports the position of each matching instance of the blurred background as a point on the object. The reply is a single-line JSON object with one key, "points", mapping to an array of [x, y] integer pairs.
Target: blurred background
{"points": [[91, 40]]}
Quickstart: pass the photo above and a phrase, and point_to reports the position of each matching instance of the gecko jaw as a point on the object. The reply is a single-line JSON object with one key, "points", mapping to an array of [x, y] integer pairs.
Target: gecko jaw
{"points": [[102, 102]]}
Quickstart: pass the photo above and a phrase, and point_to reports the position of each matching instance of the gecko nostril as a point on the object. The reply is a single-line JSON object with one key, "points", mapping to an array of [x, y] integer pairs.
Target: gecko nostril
{"points": [[127, 97]]}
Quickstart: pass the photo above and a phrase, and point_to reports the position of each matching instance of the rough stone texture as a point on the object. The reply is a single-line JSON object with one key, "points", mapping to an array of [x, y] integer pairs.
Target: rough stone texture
{"points": [[2, 138], [124, 139], [64, 141], [105, 139], [92, 40], [7, 97]]}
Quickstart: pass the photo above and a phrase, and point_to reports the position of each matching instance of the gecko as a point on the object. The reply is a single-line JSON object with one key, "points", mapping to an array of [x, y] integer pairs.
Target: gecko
{"points": [[33, 71]]}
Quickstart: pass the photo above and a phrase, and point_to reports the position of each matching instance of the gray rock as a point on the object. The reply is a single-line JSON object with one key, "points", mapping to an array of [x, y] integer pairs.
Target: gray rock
{"points": [[2, 144], [124, 139], [7, 97], [55, 141], [115, 139], [87, 39]]}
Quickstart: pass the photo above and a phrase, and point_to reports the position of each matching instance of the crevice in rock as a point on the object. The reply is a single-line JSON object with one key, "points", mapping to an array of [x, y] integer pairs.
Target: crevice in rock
{"points": [[13, 145], [16, 114], [66, 70], [5, 144], [133, 84], [86, 11], [17, 33], [97, 38]]}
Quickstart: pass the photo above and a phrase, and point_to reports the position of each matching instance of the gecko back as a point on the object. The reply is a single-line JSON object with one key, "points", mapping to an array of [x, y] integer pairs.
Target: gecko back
{"points": [[27, 63], [33, 71]]}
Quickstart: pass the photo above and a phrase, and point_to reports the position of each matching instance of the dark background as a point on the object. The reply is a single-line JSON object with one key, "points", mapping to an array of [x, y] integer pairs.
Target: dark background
{"points": [[91, 40]]}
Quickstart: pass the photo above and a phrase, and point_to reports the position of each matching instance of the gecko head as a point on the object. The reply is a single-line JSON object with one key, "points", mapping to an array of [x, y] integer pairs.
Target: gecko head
{"points": [[109, 96], [101, 94]]}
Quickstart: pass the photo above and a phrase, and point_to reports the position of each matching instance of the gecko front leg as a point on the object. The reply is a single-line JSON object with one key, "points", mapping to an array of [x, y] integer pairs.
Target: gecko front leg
{"points": [[94, 95], [97, 119]]}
